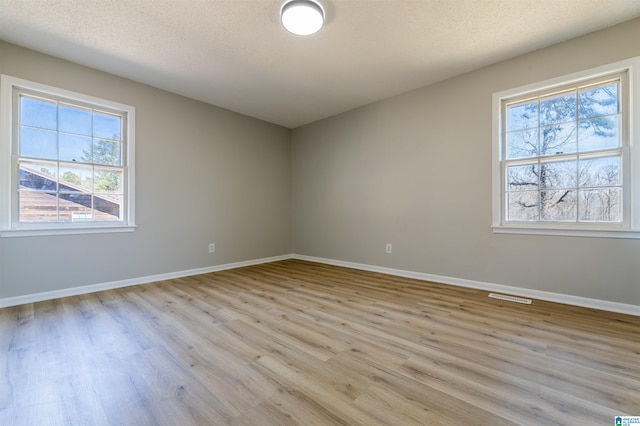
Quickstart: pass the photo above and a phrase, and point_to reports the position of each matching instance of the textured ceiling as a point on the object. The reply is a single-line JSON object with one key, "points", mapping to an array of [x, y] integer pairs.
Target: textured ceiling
{"points": [[235, 53]]}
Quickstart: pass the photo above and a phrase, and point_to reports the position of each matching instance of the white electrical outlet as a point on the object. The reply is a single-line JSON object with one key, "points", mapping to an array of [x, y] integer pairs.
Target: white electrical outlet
{"points": [[388, 248], [212, 248]]}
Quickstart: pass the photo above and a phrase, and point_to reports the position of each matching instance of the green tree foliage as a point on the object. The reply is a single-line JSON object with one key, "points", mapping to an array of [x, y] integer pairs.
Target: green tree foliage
{"points": [[71, 177], [106, 181], [105, 152]]}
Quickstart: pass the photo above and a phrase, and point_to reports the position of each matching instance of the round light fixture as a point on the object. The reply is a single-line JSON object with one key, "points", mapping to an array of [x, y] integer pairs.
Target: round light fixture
{"points": [[302, 17]]}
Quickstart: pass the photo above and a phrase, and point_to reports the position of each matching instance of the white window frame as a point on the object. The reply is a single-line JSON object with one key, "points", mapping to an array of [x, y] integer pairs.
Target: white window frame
{"points": [[630, 226], [9, 225]]}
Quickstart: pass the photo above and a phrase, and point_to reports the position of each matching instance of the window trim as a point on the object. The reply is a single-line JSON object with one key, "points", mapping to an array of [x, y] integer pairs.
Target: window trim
{"points": [[630, 227], [8, 85]]}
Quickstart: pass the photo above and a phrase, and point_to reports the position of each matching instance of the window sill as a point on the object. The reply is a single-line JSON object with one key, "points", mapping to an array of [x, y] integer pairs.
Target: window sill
{"points": [[38, 232], [566, 232]]}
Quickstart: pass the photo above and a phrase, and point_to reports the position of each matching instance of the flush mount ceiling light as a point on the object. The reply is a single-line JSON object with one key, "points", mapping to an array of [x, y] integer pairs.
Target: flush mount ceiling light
{"points": [[302, 17]]}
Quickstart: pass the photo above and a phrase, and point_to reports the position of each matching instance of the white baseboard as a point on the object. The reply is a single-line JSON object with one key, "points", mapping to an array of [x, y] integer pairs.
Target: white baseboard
{"points": [[604, 305], [74, 291], [499, 288]]}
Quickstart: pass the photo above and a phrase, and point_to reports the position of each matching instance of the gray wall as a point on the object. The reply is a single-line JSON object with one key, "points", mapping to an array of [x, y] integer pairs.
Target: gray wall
{"points": [[415, 171], [203, 174]]}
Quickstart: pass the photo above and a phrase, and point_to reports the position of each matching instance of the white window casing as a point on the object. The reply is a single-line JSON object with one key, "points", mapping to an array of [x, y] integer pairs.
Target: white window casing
{"points": [[13, 162], [627, 224]]}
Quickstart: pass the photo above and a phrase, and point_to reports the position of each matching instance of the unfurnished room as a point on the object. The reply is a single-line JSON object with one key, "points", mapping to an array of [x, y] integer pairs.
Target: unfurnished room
{"points": [[319, 212]]}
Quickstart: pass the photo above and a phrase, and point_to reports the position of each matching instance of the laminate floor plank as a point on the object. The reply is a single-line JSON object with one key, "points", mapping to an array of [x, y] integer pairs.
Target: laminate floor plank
{"points": [[301, 343]]}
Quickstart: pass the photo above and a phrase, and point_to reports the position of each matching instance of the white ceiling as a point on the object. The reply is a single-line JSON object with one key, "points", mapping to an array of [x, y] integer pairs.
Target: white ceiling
{"points": [[235, 53]]}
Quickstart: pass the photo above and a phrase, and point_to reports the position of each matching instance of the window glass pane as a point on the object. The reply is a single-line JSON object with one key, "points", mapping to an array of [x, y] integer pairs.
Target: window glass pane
{"points": [[108, 181], [558, 174], [75, 120], [599, 100], [108, 207], [38, 113], [558, 139], [37, 206], [522, 116], [37, 176], [563, 157], [598, 133], [67, 161], [602, 171], [522, 144], [522, 206], [75, 148], [74, 206], [38, 143], [106, 152], [107, 126], [558, 205], [558, 108], [523, 177], [601, 205], [75, 179]]}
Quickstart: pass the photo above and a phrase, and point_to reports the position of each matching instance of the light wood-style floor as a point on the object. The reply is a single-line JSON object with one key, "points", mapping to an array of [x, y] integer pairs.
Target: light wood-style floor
{"points": [[295, 342]]}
